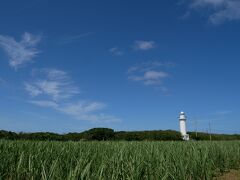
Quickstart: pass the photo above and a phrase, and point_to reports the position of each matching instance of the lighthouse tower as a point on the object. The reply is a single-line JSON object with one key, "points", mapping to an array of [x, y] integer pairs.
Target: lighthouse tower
{"points": [[182, 123]]}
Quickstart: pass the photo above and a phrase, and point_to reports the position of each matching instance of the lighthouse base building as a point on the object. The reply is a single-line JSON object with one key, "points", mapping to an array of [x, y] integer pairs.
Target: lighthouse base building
{"points": [[186, 137], [182, 123]]}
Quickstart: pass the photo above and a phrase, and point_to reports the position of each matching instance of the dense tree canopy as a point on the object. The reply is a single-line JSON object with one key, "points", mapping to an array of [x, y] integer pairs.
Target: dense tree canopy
{"points": [[104, 134]]}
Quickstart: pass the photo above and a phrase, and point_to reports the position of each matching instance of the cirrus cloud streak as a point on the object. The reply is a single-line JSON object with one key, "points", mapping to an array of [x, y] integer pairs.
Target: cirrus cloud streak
{"points": [[22, 52], [150, 73], [54, 89], [217, 11]]}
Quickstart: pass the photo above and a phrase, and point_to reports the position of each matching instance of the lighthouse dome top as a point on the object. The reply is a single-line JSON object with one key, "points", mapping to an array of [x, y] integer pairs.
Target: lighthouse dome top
{"points": [[182, 116]]}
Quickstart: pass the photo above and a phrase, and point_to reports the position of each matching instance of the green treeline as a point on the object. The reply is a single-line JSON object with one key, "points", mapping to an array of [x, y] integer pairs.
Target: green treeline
{"points": [[214, 137], [103, 134]]}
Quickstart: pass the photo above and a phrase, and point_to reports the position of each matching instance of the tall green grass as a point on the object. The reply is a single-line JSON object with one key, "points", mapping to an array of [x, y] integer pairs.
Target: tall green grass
{"points": [[116, 160]]}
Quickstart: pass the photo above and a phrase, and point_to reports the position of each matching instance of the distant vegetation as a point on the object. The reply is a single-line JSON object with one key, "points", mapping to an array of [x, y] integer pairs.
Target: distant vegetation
{"points": [[194, 160], [214, 137], [104, 134]]}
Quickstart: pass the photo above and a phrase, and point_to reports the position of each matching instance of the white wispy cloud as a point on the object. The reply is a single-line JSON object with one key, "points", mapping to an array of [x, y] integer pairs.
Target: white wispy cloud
{"points": [[45, 103], [21, 52], [222, 112], [82, 110], [144, 45], [202, 3], [116, 51], [55, 84], [218, 11], [33, 90], [150, 73], [150, 77], [150, 65], [82, 107], [54, 89], [87, 111]]}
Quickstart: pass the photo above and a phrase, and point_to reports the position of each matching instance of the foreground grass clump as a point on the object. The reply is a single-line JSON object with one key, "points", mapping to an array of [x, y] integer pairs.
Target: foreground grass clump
{"points": [[116, 160]]}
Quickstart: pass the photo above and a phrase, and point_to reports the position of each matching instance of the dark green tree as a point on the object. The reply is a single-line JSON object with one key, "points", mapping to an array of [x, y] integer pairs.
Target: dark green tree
{"points": [[99, 134]]}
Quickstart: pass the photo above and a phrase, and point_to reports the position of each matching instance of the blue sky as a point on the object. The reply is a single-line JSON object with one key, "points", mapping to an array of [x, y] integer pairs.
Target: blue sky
{"points": [[129, 65]]}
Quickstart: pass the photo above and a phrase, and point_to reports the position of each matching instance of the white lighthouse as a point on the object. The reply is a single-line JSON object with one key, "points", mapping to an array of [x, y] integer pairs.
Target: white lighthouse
{"points": [[182, 123]]}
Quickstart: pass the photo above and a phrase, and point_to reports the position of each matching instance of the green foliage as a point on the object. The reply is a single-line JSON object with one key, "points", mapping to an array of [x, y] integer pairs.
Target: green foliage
{"points": [[117, 160], [148, 135], [99, 134], [103, 134], [215, 137], [8, 135]]}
